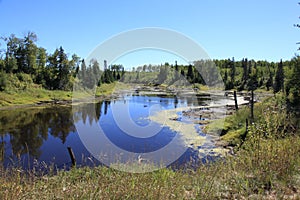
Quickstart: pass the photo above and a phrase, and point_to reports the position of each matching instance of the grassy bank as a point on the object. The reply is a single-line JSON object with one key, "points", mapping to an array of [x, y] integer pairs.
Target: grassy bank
{"points": [[34, 95], [269, 114]]}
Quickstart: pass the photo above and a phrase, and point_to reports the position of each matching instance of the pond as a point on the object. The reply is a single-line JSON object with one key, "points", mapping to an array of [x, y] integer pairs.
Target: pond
{"points": [[38, 137]]}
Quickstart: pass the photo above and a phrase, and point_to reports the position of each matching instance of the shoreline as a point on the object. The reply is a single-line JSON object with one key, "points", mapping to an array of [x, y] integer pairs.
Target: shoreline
{"points": [[189, 134], [66, 99], [201, 116], [110, 91]]}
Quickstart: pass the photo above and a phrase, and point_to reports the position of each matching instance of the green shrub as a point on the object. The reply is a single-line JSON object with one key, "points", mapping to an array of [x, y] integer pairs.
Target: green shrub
{"points": [[3, 81]]}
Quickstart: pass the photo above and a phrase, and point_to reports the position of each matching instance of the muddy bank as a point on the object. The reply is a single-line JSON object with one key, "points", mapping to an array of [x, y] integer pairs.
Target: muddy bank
{"points": [[190, 122], [189, 132]]}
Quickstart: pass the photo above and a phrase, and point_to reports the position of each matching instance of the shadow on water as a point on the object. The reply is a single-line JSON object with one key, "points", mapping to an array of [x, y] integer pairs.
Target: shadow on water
{"points": [[24, 131], [42, 134], [39, 136]]}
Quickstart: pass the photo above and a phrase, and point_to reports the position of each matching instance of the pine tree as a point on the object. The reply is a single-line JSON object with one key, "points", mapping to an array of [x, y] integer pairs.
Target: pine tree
{"points": [[41, 64], [279, 78], [176, 71], [96, 72], [232, 73], [190, 74], [64, 70], [245, 70], [270, 79], [163, 74], [82, 74]]}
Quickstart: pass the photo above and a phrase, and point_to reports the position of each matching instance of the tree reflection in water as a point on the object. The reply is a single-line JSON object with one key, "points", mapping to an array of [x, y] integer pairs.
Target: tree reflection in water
{"points": [[23, 131]]}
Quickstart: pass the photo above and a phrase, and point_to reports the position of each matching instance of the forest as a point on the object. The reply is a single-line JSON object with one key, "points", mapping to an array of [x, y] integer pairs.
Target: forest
{"points": [[243, 75], [23, 63]]}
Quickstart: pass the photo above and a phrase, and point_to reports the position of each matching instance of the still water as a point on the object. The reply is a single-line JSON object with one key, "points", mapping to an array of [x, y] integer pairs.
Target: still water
{"points": [[39, 136]]}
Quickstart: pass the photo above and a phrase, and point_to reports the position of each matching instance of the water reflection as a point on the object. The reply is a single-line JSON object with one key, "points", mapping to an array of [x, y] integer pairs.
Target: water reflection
{"points": [[23, 131], [43, 133]]}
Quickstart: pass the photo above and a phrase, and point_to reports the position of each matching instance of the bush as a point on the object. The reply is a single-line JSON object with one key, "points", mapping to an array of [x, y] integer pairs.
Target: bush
{"points": [[3, 81], [25, 78]]}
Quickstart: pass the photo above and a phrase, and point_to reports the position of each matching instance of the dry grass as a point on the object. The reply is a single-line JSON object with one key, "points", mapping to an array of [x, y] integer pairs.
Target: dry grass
{"points": [[263, 168]]}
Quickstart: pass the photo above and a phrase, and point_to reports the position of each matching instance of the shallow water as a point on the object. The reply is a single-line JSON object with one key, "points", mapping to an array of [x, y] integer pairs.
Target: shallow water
{"points": [[39, 137]]}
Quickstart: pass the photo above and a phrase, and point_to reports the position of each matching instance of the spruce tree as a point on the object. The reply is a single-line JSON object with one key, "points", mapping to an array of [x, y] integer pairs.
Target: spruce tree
{"points": [[190, 74], [279, 78]]}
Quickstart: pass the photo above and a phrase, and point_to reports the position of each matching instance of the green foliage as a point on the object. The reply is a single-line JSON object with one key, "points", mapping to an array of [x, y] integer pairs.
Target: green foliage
{"points": [[22, 56], [271, 115], [3, 80], [163, 74], [279, 79], [57, 72], [91, 76], [293, 84], [190, 74], [11, 64]]}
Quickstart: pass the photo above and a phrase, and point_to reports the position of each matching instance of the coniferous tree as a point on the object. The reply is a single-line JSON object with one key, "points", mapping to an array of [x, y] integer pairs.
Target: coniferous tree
{"points": [[279, 79], [163, 74], [41, 64], [245, 70], [232, 73], [64, 70], [82, 75], [182, 72], [190, 74], [96, 72], [176, 72], [270, 79]]}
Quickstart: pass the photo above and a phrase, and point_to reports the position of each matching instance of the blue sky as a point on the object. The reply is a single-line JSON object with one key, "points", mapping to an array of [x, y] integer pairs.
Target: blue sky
{"points": [[256, 29]]}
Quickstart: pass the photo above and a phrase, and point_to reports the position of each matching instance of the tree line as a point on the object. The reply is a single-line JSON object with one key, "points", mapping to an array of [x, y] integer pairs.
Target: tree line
{"points": [[245, 74], [57, 71], [22, 57]]}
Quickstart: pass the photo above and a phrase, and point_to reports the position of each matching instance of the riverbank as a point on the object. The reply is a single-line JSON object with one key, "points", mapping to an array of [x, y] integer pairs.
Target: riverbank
{"points": [[32, 97], [192, 122]]}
